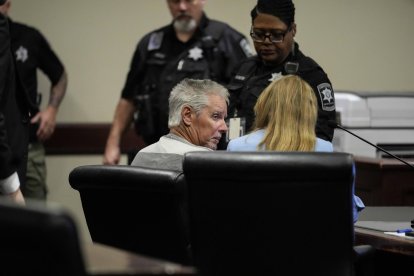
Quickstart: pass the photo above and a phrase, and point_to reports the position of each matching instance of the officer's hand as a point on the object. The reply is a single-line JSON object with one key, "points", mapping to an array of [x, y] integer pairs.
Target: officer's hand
{"points": [[112, 155], [47, 123]]}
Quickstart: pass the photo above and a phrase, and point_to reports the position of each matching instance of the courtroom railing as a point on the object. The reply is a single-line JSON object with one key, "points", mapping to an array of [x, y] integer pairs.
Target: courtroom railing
{"points": [[88, 138]]}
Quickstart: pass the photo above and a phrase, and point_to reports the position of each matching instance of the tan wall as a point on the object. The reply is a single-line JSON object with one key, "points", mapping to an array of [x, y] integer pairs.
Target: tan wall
{"points": [[362, 45]]}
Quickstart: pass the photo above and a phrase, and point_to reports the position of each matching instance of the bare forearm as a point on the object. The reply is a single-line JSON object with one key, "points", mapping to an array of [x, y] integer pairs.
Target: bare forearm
{"points": [[58, 91], [122, 120], [123, 117]]}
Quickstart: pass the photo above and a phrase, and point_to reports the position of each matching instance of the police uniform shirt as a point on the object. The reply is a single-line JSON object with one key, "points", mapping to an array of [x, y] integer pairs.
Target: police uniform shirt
{"points": [[32, 51], [14, 111], [162, 49], [160, 61], [252, 77]]}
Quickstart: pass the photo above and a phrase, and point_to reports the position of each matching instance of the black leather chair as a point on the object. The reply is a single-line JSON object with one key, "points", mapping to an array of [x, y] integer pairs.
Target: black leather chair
{"points": [[36, 240], [136, 209], [269, 213]]}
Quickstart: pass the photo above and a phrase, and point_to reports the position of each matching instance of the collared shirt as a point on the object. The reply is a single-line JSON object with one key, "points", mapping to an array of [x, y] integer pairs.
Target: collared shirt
{"points": [[171, 143], [32, 51], [252, 76], [231, 45], [167, 153], [161, 61], [250, 142], [9, 180]]}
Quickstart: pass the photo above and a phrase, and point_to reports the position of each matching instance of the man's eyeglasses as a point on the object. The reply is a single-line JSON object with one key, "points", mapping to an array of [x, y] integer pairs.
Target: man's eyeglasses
{"points": [[275, 36]]}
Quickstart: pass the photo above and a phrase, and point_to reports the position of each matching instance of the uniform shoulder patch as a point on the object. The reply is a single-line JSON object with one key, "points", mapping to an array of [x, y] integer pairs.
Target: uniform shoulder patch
{"points": [[325, 92], [245, 46], [155, 41]]}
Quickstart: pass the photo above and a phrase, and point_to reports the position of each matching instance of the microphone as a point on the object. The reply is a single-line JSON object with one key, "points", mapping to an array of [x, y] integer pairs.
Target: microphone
{"points": [[333, 124]]}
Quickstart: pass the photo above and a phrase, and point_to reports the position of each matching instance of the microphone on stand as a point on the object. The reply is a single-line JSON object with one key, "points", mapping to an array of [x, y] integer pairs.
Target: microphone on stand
{"points": [[333, 124]]}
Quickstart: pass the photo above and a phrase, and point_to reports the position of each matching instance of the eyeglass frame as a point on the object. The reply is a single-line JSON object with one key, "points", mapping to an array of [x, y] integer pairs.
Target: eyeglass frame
{"points": [[269, 35]]}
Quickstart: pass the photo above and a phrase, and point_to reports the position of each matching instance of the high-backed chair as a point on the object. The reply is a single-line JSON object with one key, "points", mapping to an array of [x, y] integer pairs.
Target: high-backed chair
{"points": [[269, 213], [134, 208], [36, 240]]}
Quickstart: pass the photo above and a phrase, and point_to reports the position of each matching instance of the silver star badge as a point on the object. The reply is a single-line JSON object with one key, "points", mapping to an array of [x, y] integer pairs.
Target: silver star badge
{"points": [[327, 95], [275, 76], [21, 54], [196, 53]]}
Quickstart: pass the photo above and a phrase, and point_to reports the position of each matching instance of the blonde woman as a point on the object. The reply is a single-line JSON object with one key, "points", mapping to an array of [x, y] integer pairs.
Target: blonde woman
{"points": [[286, 114]]}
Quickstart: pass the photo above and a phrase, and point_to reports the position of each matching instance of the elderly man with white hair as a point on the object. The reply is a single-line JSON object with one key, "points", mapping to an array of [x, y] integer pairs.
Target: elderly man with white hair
{"points": [[197, 112]]}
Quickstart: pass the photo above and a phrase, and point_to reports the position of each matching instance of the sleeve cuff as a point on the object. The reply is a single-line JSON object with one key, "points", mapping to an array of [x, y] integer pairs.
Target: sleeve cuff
{"points": [[10, 184]]}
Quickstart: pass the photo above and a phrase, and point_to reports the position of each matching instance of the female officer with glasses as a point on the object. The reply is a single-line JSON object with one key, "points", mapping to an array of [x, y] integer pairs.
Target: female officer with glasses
{"points": [[273, 30]]}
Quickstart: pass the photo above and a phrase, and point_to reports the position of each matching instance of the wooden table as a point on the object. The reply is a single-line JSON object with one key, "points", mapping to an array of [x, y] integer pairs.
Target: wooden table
{"points": [[105, 260], [384, 242], [384, 182], [394, 254]]}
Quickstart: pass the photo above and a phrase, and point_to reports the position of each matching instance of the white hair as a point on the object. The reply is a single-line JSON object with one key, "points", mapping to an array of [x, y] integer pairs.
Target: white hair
{"points": [[193, 93]]}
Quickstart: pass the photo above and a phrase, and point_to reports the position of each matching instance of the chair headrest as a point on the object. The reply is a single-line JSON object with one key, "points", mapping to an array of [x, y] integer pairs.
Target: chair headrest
{"points": [[106, 176]]}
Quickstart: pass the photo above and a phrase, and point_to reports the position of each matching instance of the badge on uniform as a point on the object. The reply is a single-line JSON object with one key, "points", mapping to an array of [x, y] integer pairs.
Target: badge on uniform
{"points": [[195, 53], [275, 76], [21, 54], [326, 95]]}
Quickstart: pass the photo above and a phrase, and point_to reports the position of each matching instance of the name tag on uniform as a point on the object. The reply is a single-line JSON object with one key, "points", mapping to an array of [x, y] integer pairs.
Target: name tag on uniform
{"points": [[180, 65]]}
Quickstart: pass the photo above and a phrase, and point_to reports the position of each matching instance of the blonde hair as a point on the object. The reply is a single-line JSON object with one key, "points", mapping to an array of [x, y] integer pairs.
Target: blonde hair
{"points": [[287, 109]]}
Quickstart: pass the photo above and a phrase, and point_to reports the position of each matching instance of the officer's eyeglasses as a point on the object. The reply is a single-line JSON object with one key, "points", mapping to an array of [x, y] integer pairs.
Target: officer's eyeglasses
{"points": [[275, 36]]}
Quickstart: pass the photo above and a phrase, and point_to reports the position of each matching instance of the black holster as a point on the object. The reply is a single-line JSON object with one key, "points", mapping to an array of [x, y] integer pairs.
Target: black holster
{"points": [[144, 118]]}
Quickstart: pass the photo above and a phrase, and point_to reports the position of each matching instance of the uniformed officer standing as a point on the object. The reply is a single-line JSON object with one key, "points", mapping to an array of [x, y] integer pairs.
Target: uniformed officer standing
{"points": [[31, 52], [14, 120], [192, 46], [273, 30]]}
